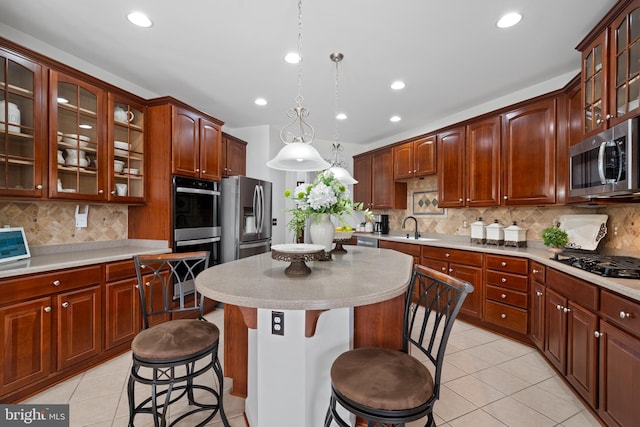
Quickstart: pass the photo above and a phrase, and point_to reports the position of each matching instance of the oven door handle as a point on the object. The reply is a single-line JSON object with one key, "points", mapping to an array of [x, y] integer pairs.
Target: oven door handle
{"points": [[197, 241], [197, 191]]}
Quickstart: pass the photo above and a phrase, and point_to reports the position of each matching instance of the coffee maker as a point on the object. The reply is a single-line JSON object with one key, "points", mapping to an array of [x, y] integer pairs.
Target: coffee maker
{"points": [[381, 224]]}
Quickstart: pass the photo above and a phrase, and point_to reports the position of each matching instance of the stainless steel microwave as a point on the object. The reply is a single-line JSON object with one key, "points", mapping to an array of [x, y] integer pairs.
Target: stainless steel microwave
{"points": [[606, 165]]}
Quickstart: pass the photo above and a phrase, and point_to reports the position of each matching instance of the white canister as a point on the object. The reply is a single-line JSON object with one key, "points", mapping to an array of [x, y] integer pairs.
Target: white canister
{"points": [[478, 232], [12, 116], [515, 236], [495, 234]]}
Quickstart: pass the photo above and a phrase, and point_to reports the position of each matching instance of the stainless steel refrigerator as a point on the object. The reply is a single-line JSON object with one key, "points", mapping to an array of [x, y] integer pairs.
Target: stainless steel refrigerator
{"points": [[246, 217]]}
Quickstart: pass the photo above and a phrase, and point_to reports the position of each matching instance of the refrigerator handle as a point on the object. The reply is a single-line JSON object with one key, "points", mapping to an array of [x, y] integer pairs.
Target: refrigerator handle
{"points": [[261, 207]]}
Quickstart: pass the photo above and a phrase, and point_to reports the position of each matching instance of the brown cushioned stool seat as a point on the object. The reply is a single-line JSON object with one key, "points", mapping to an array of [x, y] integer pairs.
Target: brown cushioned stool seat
{"points": [[382, 378], [175, 339]]}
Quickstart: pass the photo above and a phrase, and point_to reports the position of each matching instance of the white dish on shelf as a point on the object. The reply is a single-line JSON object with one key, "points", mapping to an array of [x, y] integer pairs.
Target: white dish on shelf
{"points": [[119, 152], [118, 165], [132, 171], [121, 145], [68, 190]]}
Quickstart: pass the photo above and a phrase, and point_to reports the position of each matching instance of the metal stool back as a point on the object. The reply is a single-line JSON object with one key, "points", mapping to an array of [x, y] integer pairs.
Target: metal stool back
{"points": [[170, 354], [392, 387]]}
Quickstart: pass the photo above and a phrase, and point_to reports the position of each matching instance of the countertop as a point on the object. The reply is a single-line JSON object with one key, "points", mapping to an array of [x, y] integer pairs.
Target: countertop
{"points": [[56, 257], [361, 276], [536, 252]]}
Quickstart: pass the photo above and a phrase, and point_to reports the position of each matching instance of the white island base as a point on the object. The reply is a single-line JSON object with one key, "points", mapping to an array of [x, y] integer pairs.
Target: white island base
{"points": [[301, 397]]}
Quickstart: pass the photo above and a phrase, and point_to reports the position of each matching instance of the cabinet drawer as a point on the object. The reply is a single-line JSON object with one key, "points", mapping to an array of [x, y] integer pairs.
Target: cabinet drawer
{"points": [[507, 317], [405, 248], [507, 296], [452, 255], [119, 270], [585, 294], [37, 285], [507, 280], [616, 308], [538, 272], [509, 264]]}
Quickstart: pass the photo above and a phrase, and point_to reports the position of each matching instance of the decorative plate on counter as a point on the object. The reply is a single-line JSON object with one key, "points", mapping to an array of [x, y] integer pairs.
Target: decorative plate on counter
{"points": [[585, 231]]}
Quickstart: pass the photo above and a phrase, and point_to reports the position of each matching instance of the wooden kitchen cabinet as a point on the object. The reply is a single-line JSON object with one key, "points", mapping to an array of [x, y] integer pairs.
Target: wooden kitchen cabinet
{"points": [[415, 158], [376, 187], [537, 304], [594, 79], [506, 292], [234, 156], [22, 145], [362, 173], [529, 154], [196, 145], [122, 304], [464, 265], [451, 161]]}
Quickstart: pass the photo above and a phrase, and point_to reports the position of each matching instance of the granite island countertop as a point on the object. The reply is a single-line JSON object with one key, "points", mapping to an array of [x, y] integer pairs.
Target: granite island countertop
{"points": [[535, 251], [56, 257]]}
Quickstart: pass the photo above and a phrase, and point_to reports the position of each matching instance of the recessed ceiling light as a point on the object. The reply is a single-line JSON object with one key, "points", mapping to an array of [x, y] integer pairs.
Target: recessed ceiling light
{"points": [[395, 119], [260, 101], [341, 116], [397, 85], [62, 100], [140, 19], [292, 57], [509, 20]]}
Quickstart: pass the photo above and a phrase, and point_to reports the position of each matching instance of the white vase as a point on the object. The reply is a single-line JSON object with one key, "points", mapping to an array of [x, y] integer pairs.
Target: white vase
{"points": [[322, 232]]}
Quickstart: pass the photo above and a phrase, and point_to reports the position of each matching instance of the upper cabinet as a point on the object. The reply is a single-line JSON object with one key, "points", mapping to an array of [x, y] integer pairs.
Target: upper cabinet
{"points": [[77, 139], [415, 158], [22, 126], [451, 158], [196, 145], [594, 72], [234, 156], [362, 173], [376, 188]]}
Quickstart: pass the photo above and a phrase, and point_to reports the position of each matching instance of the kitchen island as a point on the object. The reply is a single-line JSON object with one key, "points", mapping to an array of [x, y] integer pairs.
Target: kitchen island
{"points": [[321, 315]]}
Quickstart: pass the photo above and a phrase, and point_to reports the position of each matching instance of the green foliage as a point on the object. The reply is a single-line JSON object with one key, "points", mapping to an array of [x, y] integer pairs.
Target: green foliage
{"points": [[554, 237]]}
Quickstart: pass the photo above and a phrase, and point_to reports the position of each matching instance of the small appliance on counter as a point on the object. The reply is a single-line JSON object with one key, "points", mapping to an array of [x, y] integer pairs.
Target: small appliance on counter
{"points": [[478, 232], [495, 234], [515, 236], [381, 224]]}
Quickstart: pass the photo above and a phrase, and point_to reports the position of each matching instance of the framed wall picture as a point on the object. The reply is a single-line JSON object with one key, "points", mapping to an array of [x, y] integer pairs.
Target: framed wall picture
{"points": [[426, 203]]}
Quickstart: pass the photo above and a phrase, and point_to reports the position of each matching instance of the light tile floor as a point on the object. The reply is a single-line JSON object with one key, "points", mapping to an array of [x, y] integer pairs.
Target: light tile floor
{"points": [[487, 381]]}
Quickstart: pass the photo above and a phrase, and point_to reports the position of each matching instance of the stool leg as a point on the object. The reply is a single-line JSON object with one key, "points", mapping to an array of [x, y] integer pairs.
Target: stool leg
{"points": [[217, 368], [131, 396]]}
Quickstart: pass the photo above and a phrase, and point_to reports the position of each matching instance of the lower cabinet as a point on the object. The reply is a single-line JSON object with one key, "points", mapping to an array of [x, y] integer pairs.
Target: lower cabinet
{"points": [[506, 292]]}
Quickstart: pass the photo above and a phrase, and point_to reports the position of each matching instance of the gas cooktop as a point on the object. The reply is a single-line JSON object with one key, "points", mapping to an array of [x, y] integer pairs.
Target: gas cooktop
{"points": [[623, 267]]}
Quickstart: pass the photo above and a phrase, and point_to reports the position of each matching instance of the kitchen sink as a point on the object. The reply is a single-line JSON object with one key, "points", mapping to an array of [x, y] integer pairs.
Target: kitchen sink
{"points": [[419, 239]]}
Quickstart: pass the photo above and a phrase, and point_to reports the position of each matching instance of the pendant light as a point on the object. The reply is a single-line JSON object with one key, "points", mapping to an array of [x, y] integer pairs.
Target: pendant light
{"points": [[337, 166], [298, 154]]}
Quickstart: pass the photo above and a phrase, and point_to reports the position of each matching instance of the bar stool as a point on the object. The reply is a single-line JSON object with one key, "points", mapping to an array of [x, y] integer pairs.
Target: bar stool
{"points": [[393, 387], [168, 356]]}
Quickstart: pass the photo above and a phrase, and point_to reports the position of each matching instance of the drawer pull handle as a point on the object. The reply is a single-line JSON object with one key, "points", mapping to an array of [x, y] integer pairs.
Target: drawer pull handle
{"points": [[503, 296], [559, 307], [56, 283], [597, 334], [503, 280], [451, 270], [47, 309], [65, 304], [624, 315], [147, 284], [536, 271], [504, 264], [444, 269], [447, 255], [538, 293], [566, 310], [504, 316]]}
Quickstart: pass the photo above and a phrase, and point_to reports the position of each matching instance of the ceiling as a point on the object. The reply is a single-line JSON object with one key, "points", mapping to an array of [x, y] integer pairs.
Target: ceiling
{"points": [[218, 56]]}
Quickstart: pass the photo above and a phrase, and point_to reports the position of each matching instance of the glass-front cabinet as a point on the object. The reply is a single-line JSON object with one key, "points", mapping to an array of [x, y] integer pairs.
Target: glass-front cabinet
{"points": [[77, 139], [625, 61], [126, 149], [22, 132], [594, 78]]}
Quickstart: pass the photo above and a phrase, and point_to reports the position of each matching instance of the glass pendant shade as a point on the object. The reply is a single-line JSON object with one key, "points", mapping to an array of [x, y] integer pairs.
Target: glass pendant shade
{"points": [[342, 175], [298, 156]]}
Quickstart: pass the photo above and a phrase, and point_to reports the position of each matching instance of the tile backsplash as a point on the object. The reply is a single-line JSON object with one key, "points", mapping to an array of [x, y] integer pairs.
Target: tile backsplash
{"points": [[623, 232], [53, 223]]}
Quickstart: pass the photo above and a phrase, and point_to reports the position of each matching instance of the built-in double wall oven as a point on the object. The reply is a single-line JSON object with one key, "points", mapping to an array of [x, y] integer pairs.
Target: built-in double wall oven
{"points": [[196, 218]]}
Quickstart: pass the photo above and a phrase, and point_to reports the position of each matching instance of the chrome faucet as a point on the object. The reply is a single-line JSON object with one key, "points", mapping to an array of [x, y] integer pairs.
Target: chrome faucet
{"points": [[417, 233]]}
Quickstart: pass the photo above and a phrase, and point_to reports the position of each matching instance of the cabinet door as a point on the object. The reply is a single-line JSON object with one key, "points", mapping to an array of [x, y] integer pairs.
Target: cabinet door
{"points": [[122, 312], [22, 127], [451, 146], [483, 162], [472, 305], [210, 151], [236, 157], [362, 173], [126, 149], [594, 76], [424, 156], [25, 334], [79, 325], [529, 155], [77, 139], [537, 310], [582, 352], [185, 147], [624, 51], [555, 346], [619, 377], [403, 161], [382, 179]]}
